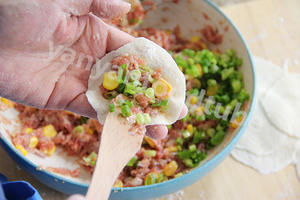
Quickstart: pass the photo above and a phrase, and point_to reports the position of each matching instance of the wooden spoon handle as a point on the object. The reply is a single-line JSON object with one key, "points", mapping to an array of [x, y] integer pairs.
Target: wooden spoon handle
{"points": [[116, 149]]}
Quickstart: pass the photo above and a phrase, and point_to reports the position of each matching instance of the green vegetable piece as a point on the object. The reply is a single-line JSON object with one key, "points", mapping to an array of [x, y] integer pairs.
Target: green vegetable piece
{"points": [[188, 162], [186, 134], [179, 141], [120, 75], [135, 74], [140, 119], [130, 89], [184, 154], [83, 120], [226, 73], [150, 153], [78, 130], [147, 118], [125, 111], [198, 136], [189, 52], [236, 85], [243, 96], [163, 104], [200, 118], [132, 162], [160, 178], [111, 107], [218, 138], [178, 175], [210, 132], [121, 88], [212, 83], [192, 147], [149, 93], [151, 178]]}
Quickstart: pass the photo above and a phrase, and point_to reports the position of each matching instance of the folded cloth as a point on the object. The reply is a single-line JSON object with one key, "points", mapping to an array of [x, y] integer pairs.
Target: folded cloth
{"points": [[18, 190]]}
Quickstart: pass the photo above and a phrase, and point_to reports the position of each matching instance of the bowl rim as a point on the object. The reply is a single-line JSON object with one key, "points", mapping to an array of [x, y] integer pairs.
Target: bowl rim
{"points": [[208, 163]]}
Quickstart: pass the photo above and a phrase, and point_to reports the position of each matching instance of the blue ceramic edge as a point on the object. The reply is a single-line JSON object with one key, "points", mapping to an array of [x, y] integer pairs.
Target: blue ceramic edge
{"points": [[67, 186]]}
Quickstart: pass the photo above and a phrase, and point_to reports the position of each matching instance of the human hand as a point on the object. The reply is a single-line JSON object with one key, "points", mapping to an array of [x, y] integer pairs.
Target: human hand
{"points": [[47, 49]]}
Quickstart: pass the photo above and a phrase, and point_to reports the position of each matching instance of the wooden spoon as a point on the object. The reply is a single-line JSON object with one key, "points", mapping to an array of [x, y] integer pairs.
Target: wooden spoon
{"points": [[117, 147]]}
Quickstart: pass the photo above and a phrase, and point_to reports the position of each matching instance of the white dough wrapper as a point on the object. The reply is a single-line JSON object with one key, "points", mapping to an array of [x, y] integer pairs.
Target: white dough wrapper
{"points": [[278, 160], [282, 104], [155, 57], [261, 137]]}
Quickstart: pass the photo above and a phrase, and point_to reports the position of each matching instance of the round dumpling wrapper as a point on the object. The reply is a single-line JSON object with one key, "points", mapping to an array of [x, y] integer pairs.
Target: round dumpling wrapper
{"points": [[282, 104], [155, 57], [261, 137]]}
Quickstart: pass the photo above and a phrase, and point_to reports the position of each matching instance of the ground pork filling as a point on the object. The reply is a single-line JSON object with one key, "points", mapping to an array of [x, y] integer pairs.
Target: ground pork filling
{"points": [[189, 140]]}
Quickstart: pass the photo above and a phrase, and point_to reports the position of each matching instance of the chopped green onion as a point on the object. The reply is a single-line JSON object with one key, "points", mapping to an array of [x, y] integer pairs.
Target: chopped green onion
{"points": [[163, 104], [147, 118], [150, 153], [140, 119], [188, 162], [78, 130], [179, 141], [83, 120], [121, 88], [125, 110], [135, 75], [132, 161], [111, 107], [130, 89], [210, 132], [178, 175], [186, 134], [236, 85], [218, 138], [192, 147], [149, 92], [198, 136], [151, 178], [212, 83]]}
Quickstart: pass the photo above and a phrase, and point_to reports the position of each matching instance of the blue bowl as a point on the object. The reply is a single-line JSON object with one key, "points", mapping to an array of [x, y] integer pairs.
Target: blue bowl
{"points": [[190, 16]]}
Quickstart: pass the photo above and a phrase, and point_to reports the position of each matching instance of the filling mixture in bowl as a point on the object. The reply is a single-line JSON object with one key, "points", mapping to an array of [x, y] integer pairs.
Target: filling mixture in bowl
{"points": [[215, 97]]}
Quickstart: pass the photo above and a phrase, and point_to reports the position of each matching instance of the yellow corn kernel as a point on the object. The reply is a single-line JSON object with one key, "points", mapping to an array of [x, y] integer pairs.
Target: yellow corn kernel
{"points": [[193, 100], [203, 46], [118, 183], [195, 39], [21, 149], [211, 91], [28, 130], [170, 168], [162, 88], [169, 31], [110, 80], [150, 141], [234, 124], [33, 142], [196, 83], [181, 69], [7, 102], [50, 152], [199, 110], [239, 119], [90, 131], [190, 128], [49, 131], [172, 149], [200, 69], [188, 77]]}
